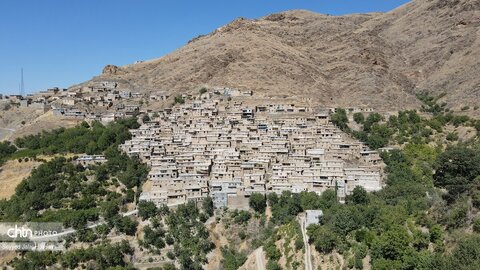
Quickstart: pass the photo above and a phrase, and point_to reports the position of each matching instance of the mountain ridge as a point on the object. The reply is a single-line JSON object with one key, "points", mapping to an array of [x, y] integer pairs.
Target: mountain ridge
{"points": [[378, 60]]}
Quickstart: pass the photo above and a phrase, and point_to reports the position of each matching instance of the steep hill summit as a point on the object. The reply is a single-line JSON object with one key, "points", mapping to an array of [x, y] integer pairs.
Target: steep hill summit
{"points": [[379, 60]]}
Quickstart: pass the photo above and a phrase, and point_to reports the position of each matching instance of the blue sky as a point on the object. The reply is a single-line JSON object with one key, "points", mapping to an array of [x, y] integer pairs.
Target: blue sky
{"points": [[60, 43]]}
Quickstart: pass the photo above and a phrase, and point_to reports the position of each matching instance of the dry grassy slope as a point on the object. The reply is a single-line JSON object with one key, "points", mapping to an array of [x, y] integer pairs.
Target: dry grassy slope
{"points": [[12, 173], [377, 60], [11, 126]]}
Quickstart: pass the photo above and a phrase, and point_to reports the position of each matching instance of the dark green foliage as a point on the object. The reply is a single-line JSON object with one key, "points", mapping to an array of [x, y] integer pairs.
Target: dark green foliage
{"points": [[179, 100], [299, 243], [458, 120], [6, 150], [476, 225], [322, 238], [104, 256], [241, 217], [80, 139], [125, 225], [457, 169], [359, 118], [190, 235], [146, 209], [62, 190], [452, 136], [430, 103], [272, 251], [272, 265], [340, 119], [272, 198], [154, 238], [310, 201], [232, 259], [207, 206], [287, 208], [372, 119], [258, 202], [391, 245], [35, 260], [359, 196], [202, 90], [465, 256]]}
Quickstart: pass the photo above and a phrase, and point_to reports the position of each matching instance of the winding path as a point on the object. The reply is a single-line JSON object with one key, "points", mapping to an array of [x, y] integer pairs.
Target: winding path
{"points": [[259, 258], [70, 231], [308, 255]]}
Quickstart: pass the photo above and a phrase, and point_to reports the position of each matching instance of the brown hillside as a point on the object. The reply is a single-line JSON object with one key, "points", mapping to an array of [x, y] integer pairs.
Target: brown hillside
{"points": [[377, 60]]}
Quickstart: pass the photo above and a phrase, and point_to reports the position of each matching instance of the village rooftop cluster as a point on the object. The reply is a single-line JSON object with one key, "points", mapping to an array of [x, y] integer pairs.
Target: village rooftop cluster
{"points": [[218, 146], [103, 101]]}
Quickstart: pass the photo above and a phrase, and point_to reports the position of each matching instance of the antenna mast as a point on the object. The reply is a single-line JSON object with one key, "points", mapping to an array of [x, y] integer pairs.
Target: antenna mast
{"points": [[22, 85]]}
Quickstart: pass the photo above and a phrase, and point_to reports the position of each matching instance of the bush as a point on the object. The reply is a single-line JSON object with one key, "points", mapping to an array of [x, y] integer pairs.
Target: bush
{"points": [[146, 209], [299, 243], [359, 196], [207, 205], [324, 239], [452, 136], [359, 118], [179, 100], [242, 217], [456, 169], [203, 90], [272, 265], [258, 202], [232, 259], [476, 225], [340, 119]]}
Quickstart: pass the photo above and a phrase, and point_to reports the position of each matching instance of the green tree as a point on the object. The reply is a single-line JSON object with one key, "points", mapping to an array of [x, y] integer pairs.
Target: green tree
{"points": [[323, 239], [258, 202], [359, 196], [391, 245], [146, 209], [456, 170], [272, 265], [340, 119], [358, 117], [232, 259], [207, 206]]}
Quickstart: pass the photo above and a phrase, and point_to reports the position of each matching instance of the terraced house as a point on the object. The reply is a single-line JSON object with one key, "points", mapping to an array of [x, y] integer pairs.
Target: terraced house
{"points": [[229, 149]]}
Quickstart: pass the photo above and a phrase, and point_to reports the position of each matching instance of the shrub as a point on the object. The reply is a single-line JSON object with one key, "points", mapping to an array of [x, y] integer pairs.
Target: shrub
{"points": [[452, 136], [258, 202], [358, 117], [242, 217], [340, 119], [476, 225], [203, 90], [179, 100], [146, 209]]}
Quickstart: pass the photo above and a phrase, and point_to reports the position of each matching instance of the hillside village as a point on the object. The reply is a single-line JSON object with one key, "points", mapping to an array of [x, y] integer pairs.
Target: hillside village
{"points": [[101, 101], [218, 146], [222, 144]]}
